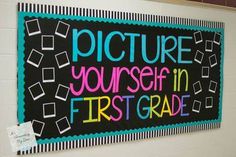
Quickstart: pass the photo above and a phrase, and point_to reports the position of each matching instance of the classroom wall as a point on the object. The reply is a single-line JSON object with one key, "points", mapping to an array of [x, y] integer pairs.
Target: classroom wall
{"points": [[213, 143]]}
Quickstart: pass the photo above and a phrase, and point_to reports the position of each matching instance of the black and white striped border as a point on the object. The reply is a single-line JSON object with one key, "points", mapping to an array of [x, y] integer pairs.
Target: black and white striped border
{"points": [[116, 138], [65, 10]]}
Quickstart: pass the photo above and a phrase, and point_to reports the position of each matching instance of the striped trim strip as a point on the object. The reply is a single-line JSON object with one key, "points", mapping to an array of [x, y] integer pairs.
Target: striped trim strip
{"points": [[65, 10], [117, 138]]}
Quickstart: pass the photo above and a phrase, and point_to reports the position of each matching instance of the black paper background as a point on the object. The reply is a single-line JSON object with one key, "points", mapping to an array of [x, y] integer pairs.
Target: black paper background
{"points": [[33, 109]]}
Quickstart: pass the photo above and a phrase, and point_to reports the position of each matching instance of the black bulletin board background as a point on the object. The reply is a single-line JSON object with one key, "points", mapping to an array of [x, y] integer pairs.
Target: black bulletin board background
{"points": [[33, 109]]}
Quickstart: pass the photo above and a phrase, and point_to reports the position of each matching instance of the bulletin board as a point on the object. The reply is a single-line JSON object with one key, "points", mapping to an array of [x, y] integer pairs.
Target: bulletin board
{"points": [[90, 77]]}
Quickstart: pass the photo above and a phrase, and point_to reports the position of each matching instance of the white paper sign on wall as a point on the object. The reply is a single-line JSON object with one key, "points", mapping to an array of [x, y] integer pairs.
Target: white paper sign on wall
{"points": [[21, 136]]}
